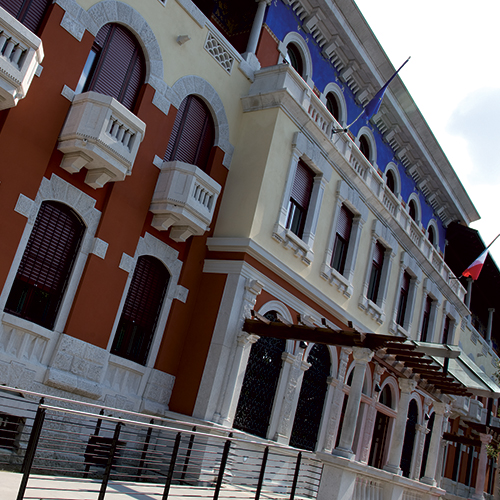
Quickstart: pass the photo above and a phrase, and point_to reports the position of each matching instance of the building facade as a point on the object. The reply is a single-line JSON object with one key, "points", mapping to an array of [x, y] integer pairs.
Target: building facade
{"points": [[177, 175]]}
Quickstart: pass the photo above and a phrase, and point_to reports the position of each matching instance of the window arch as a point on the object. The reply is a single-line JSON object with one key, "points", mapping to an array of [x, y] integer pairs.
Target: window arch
{"points": [[141, 311], [364, 147], [333, 105], [311, 399], [255, 404], [294, 58], [46, 265], [432, 234], [392, 179], [28, 12], [294, 50], [115, 65], [193, 134], [366, 144]]}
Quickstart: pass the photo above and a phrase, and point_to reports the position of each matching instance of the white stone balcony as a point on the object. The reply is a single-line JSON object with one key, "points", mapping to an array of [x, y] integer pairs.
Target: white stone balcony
{"points": [[101, 135], [21, 52], [184, 200]]}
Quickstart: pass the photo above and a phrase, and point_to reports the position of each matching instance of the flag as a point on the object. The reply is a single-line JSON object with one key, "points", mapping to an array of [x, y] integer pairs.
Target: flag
{"points": [[475, 268], [371, 109]]}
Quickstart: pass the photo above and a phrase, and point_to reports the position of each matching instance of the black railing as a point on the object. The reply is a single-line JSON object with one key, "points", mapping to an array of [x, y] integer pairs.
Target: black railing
{"points": [[85, 442]]}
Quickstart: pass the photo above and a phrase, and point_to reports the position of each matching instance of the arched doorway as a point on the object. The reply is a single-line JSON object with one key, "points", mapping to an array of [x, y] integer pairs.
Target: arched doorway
{"points": [[312, 399], [380, 430], [409, 439]]}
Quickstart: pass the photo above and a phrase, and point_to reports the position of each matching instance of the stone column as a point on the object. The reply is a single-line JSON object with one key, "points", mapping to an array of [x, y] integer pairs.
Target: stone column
{"points": [[370, 417], [422, 432], [407, 386], [481, 468], [491, 310], [337, 402], [361, 358], [432, 457], [257, 26]]}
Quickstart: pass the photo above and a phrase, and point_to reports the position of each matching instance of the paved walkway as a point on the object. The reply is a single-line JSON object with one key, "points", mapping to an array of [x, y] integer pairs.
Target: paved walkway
{"points": [[59, 488]]}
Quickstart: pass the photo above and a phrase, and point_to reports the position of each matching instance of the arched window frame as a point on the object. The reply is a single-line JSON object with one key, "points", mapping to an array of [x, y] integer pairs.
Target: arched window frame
{"points": [[418, 216], [56, 189], [149, 245], [397, 180], [303, 49], [333, 88], [368, 134], [432, 224]]}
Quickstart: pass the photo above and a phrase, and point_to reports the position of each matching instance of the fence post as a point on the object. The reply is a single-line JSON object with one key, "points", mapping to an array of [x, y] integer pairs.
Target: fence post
{"points": [[223, 462], [96, 433], [171, 468], [262, 472], [145, 450], [30, 451], [296, 476], [112, 451], [188, 455]]}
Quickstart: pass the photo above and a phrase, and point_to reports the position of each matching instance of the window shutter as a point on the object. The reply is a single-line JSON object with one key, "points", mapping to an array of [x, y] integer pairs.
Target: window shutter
{"points": [[345, 223], [378, 254], [28, 12], [120, 68], [193, 134], [302, 185]]}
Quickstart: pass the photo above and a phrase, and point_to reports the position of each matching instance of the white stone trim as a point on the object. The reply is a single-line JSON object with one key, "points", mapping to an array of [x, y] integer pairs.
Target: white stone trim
{"points": [[432, 223], [368, 133], [410, 265], [76, 20], [303, 149], [195, 85], [296, 39], [279, 307], [149, 245], [56, 189], [392, 167], [418, 216], [382, 234], [350, 198], [393, 384], [336, 90]]}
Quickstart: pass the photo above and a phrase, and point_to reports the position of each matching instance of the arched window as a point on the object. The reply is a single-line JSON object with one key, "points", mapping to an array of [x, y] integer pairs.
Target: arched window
{"points": [[381, 430], [142, 308], [430, 425], [431, 235], [259, 386], [193, 134], [28, 12], [294, 58], [332, 104], [386, 396], [46, 265], [312, 399], [115, 66], [412, 210], [409, 439], [390, 181], [364, 147]]}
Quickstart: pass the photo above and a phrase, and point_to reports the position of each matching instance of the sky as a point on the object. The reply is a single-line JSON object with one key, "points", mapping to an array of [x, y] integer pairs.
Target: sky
{"points": [[454, 78]]}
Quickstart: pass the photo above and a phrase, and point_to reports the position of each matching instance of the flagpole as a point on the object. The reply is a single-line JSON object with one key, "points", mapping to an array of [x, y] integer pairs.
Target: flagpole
{"points": [[496, 238]]}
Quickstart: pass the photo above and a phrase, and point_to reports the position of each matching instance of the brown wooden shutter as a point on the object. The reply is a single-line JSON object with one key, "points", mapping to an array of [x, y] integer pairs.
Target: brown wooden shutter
{"points": [[345, 223], [28, 12], [120, 68], [193, 134], [302, 185], [46, 264]]}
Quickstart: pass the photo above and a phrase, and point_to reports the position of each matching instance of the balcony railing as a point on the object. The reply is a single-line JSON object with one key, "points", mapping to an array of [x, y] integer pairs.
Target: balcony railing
{"points": [[101, 135], [184, 200], [21, 52]]}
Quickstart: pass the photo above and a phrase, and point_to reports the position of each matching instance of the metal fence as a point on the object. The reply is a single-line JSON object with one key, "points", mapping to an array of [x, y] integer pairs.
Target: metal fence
{"points": [[65, 438]]}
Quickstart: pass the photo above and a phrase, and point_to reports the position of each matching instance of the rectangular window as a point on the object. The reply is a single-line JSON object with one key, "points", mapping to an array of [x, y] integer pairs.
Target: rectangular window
{"points": [[403, 299], [446, 330], [299, 199], [376, 272], [426, 319], [342, 238]]}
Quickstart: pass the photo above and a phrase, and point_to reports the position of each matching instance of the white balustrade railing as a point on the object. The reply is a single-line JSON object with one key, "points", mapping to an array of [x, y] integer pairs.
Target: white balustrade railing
{"points": [[101, 135], [21, 52], [367, 488]]}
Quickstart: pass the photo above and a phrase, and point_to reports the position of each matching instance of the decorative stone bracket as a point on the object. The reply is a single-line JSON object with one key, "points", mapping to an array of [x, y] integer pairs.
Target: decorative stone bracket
{"points": [[101, 135], [21, 52], [184, 200]]}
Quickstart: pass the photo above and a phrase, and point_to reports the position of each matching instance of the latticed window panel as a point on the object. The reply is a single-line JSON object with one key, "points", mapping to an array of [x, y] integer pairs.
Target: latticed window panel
{"points": [[312, 399], [259, 386], [219, 52]]}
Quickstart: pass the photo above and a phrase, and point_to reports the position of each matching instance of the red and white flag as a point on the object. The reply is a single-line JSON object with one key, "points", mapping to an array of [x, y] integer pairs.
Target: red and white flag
{"points": [[475, 268]]}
